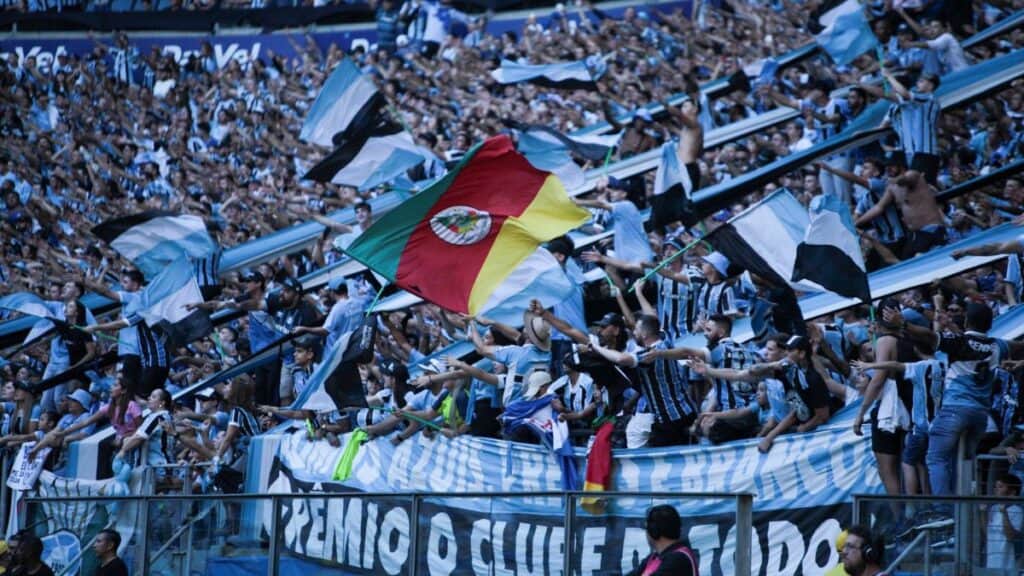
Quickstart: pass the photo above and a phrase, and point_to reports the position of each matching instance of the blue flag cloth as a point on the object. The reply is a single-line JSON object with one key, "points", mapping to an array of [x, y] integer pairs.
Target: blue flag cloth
{"points": [[849, 35], [830, 254], [154, 239], [31, 305], [164, 305], [537, 416], [581, 74], [346, 98]]}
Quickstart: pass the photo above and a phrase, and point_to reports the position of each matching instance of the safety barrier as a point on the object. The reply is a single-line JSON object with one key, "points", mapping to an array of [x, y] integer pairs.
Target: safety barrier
{"points": [[263, 533]]}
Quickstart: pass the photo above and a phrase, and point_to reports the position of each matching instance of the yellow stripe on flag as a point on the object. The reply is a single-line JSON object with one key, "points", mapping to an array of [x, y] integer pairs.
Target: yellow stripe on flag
{"points": [[549, 215]]}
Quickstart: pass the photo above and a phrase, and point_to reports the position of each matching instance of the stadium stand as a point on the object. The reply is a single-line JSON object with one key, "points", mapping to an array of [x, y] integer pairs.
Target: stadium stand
{"points": [[670, 336]]}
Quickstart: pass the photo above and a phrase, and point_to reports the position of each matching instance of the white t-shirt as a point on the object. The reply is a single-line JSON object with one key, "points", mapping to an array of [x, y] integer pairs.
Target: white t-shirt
{"points": [[999, 551], [950, 53]]}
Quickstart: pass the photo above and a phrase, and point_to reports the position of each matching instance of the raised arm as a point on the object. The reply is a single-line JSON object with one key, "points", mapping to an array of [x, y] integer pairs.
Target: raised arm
{"points": [[558, 324], [592, 203], [483, 349], [896, 85], [620, 358], [877, 92], [331, 224], [876, 210], [755, 373], [844, 174], [890, 365], [991, 249]]}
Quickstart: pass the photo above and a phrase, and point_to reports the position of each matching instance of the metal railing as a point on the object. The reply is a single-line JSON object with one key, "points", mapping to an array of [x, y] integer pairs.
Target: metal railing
{"points": [[939, 534], [263, 521]]}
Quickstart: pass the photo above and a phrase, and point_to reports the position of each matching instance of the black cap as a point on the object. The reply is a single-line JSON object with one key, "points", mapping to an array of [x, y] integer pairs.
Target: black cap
{"points": [[307, 342], [611, 319], [253, 276], [798, 343], [292, 283]]}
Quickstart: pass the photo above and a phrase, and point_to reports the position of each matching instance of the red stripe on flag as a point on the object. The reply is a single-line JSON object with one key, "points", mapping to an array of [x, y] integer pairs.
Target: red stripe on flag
{"points": [[498, 181]]}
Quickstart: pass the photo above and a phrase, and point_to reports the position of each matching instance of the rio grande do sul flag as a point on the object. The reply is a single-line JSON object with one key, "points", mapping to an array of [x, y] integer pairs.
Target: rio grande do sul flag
{"points": [[457, 241]]}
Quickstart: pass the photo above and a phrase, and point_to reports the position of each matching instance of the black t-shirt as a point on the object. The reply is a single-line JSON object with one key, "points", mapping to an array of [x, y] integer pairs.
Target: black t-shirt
{"points": [[115, 567], [43, 570], [807, 385], [285, 319]]}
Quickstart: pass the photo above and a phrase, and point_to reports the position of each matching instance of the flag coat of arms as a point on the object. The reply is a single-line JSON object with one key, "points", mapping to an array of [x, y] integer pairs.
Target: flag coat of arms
{"points": [[458, 242]]}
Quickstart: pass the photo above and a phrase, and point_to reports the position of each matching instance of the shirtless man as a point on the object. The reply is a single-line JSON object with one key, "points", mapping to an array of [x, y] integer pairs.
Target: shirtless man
{"points": [[926, 226], [691, 140]]}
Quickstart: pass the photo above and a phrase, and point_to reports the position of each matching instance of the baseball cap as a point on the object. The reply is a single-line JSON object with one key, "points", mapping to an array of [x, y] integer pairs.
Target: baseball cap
{"points": [[535, 382], [253, 276], [307, 342], [611, 319], [292, 283], [206, 394], [798, 343]]}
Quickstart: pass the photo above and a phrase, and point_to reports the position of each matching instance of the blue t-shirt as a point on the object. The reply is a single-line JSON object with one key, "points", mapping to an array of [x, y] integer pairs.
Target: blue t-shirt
{"points": [[973, 358], [128, 337], [631, 242]]}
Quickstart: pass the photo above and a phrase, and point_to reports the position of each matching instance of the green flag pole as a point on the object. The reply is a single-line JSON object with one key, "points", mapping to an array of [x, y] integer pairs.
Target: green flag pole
{"points": [[607, 160], [98, 334], [664, 263], [376, 299], [412, 417]]}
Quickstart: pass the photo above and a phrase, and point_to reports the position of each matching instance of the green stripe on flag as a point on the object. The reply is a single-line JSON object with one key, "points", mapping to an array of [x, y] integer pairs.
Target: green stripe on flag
{"points": [[381, 247]]}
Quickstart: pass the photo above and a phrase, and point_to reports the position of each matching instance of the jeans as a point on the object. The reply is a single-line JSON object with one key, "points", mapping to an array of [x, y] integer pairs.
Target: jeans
{"points": [[950, 424], [52, 397]]}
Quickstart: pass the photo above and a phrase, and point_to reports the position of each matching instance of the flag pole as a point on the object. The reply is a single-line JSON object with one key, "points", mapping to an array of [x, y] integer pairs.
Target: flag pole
{"points": [[100, 334], [665, 262], [607, 160], [412, 417], [376, 299]]}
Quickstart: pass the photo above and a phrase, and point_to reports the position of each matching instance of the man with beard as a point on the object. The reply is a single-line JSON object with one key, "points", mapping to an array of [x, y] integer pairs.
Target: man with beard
{"points": [[862, 554]]}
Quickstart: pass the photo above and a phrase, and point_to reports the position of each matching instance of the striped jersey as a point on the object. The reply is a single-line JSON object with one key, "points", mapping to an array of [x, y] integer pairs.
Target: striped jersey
{"points": [[666, 387], [915, 121], [888, 224], [677, 306], [715, 299], [731, 355]]}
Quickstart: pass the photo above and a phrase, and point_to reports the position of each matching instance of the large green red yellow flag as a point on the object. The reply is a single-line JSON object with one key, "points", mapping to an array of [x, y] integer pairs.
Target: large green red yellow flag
{"points": [[456, 242]]}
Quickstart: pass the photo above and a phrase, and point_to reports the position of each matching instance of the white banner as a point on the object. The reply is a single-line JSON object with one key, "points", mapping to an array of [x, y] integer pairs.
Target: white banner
{"points": [[25, 471]]}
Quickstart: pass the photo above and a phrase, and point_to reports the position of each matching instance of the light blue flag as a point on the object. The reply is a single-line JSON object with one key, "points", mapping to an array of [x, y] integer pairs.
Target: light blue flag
{"points": [[32, 305], [569, 75], [164, 304], [849, 35], [551, 156], [830, 253], [346, 96], [155, 239]]}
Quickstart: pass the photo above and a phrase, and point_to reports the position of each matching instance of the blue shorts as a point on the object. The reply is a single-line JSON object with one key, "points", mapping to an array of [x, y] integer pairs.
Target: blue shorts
{"points": [[915, 448]]}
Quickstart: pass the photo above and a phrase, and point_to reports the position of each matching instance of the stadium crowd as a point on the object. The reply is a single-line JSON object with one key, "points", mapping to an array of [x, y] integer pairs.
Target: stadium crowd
{"points": [[119, 132]]}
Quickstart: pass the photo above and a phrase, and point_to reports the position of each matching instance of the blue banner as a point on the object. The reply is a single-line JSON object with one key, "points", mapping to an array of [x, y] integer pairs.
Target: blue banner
{"points": [[247, 47], [802, 493]]}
